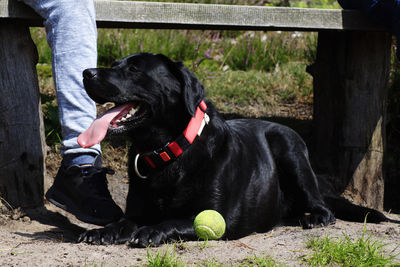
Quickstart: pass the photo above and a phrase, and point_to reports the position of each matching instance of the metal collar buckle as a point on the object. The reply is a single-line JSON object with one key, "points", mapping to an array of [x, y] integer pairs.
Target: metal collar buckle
{"points": [[136, 167]]}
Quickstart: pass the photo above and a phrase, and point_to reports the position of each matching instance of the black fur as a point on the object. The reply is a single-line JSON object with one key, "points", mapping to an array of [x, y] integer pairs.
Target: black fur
{"points": [[255, 173]]}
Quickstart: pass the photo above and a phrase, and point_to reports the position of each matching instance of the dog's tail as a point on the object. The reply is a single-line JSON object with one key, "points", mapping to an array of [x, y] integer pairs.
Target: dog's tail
{"points": [[347, 211]]}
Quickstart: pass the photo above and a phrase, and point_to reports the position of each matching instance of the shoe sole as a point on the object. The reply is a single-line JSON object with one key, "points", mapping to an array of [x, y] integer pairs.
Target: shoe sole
{"points": [[60, 200]]}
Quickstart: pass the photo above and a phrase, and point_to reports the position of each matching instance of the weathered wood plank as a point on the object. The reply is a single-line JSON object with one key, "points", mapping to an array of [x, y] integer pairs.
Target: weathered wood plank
{"points": [[132, 14], [21, 125], [351, 76]]}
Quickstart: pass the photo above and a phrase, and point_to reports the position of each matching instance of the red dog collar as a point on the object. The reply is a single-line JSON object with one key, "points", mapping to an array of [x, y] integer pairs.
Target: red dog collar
{"points": [[166, 154]]}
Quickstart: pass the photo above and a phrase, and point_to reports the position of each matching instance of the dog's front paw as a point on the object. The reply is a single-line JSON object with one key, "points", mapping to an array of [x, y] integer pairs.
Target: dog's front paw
{"points": [[319, 216], [113, 233], [148, 236], [100, 236]]}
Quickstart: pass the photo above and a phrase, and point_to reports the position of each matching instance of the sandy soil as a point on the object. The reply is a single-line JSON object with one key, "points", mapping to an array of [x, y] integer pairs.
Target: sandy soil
{"points": [[47, 237]]}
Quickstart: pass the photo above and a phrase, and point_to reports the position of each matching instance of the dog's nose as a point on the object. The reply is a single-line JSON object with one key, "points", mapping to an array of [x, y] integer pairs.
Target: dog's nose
{"points": [[89, 73]]}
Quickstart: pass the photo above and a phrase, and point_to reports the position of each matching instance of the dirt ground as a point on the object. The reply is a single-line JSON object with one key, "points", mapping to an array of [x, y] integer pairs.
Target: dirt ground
{"points": [[47, 237]]}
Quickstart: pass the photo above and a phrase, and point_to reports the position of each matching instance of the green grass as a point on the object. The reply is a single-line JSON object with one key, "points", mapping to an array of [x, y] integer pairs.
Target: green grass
{"points": [[167, 258], [178, 44], [327, 4], [326, 251], [235, 91], [292, 3], [364, 251], [238, 68], [49, 105], [236, 50], [259, 261]]}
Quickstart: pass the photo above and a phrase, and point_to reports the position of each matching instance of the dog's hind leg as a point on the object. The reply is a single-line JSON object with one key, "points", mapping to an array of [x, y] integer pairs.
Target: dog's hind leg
{"points": [[297, 180], [299, 184]]}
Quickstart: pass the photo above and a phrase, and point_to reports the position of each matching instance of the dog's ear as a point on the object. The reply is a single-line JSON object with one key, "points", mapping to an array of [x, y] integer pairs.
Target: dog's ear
{"points": [[193, 91]]}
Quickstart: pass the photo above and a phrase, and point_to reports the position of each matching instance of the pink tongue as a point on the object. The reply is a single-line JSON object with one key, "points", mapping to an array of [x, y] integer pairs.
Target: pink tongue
{"points": [[98, 130]]}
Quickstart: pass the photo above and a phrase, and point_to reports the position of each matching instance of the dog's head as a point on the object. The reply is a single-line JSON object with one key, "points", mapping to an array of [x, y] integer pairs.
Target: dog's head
{"points": [[153, 95]]}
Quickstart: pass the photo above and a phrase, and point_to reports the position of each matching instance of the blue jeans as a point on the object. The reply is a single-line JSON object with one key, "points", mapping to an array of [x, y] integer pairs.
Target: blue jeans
{"points": [[72, 36]]}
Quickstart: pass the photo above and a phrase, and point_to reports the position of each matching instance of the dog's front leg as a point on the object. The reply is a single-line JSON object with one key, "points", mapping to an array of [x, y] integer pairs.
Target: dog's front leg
{"points": [[166, 231], [113, 233]]}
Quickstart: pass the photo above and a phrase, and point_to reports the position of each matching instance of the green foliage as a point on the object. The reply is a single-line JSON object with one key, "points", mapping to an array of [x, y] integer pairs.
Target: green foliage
{"points": [[177, 44], [263, 51], [327, 4], [259, 261], [292, 3], [364, 251], [49, 105], [239, 68], [166, 258], [241, 88], [235, 91], [39, 37], [234, 49], [51, 122], [225, 2]]}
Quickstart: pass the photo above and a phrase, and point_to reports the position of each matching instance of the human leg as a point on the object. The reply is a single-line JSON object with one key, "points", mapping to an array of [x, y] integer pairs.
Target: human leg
{"points": [[80, 186], [72, 37]]}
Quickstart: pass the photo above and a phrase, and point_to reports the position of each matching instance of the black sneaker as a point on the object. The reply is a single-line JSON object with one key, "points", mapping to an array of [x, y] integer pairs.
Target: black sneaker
{"points": [[83, 192]]}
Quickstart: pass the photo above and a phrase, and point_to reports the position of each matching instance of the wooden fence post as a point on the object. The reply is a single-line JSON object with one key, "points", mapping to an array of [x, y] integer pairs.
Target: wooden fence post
{"points": [[21, 124], [351, 76]]}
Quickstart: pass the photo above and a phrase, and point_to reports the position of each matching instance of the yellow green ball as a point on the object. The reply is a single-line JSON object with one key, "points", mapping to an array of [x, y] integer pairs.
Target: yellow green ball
{"points": [[209, 225]]}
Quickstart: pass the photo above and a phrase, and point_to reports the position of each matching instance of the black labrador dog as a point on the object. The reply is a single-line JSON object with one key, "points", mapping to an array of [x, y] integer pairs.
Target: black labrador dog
{"points": [[186, 158]]}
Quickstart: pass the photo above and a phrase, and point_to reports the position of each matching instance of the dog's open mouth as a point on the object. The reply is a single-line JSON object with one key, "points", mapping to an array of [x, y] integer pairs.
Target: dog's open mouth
{"points": [[125, 113], [115, 118]]}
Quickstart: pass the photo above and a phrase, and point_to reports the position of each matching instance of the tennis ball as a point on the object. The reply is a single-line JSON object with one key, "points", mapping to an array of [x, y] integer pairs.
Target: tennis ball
{"points": [[209, 225]]}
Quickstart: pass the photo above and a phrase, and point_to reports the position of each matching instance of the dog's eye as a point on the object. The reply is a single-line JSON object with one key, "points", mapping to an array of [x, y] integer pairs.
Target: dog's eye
{"points": [[133, 69], [115, 63]]}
